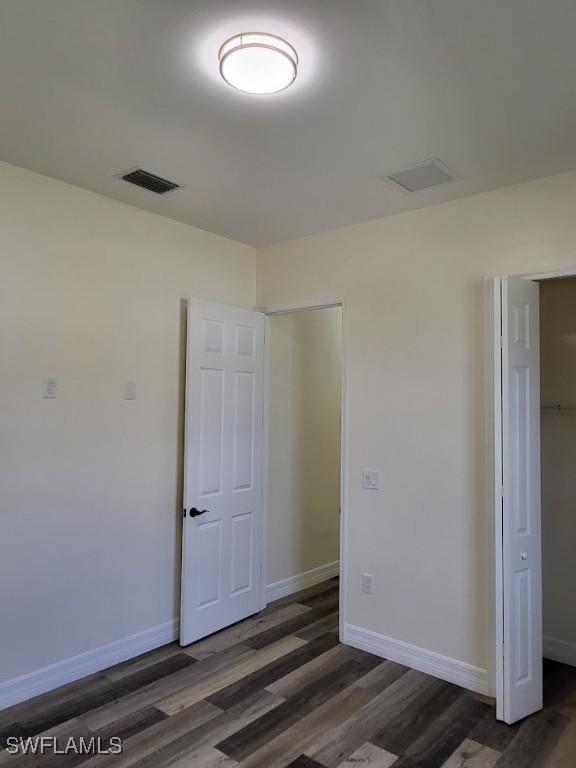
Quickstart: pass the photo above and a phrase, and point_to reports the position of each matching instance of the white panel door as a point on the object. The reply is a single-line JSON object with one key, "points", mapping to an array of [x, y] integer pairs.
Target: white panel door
{"points": [[521, 547], [222, 524]]}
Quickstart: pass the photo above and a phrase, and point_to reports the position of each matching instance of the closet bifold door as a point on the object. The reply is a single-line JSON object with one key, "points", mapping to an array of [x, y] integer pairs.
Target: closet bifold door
{"points": [[521, 527]]}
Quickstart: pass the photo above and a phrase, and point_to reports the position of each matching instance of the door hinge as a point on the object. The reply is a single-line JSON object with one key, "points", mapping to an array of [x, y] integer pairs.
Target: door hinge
{"points": [[502, 491], [501, 342]]}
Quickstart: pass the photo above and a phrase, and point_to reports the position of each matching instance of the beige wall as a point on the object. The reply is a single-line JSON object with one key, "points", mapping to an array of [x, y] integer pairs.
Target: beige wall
{"points": [[304, 478], [558, 382], [414, 329], [91, 292]]}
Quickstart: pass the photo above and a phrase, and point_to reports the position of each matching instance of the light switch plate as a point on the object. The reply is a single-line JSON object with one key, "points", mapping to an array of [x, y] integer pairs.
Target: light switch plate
{"points": [[370, 479], [49, 387], [130, 390]]}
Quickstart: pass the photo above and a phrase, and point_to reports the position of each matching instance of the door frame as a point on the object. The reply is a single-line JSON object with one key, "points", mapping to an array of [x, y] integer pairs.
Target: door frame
{"points": [[495, 396], [283, 309]]}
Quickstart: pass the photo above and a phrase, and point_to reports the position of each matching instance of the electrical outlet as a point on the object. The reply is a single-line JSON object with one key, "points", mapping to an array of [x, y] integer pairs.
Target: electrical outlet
{"points": [[370, 479], [368, 583], [49, 388]]}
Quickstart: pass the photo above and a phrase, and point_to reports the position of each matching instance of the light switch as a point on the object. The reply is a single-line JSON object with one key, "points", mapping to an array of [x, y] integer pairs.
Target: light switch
{"points": [[130, 390], [49, 387], [370, 479]]}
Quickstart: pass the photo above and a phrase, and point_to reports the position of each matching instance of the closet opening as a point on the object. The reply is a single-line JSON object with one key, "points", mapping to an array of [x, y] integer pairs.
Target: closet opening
{"points": [[558, 485], [535, 494]]}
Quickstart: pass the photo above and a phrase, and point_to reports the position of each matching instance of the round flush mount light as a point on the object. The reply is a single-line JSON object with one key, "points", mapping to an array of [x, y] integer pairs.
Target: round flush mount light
{"points": [[255, 62]]}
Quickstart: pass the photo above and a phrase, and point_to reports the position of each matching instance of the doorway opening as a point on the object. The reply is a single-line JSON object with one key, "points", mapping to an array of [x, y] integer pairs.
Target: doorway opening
{"points": [[264, 481], [535, 493], [303, 448]]}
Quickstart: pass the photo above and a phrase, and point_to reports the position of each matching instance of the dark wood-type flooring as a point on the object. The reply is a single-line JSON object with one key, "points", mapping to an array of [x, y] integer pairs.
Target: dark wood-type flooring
{"points": [[279, 690]]}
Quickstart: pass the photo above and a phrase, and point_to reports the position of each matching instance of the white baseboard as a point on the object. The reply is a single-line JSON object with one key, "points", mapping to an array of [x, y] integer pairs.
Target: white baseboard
{"points": [[559, 650], [66, 671], [302, 581], [430, 662]]}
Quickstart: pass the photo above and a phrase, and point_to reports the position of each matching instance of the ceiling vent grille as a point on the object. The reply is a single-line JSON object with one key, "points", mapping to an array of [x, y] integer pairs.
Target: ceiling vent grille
{"points": [[430, 173], [149, 181]]}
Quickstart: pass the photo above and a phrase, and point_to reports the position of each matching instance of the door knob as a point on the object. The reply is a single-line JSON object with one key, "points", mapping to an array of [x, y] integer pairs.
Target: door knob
{"points": [[196, 512], [524, 555]]}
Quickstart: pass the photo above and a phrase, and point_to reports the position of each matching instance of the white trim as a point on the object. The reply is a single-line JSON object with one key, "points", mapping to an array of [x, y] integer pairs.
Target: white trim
{"points": [[430, 662], [300, 306], [551, 274], [497, 489], [76, 667], [344, 464], [288, 586], [559, 650], [265, 460]]}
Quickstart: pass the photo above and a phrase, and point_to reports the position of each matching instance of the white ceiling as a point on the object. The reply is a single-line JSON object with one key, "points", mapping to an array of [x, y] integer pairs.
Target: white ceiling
{"points": [[90, 88]]}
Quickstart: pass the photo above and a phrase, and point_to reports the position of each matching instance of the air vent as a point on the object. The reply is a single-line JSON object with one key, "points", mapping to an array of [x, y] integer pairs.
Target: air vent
{"points": [[430, 173], [150, 181]]}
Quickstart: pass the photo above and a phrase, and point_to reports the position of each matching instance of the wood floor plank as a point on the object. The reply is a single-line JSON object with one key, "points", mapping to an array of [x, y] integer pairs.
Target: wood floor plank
{"points": [[97, 696], [304, 762], [137, 747], [535, 741], [560, 687], [60, 730], [382, 676], [302, 595], [369, 756], [328, 599], [471, 754], [311, 671], [494, 733], [220, 680], [278, 691], [142, 661], [49, 701], [341, 742], [239, 633], [288, 628], [292, 743], [329, 623], [276, 668], [123, 729], [308, 699], [131, 724], [193, 745], [443, 737], [161, 689], [562, 755], [211, 758], [408, 722]]}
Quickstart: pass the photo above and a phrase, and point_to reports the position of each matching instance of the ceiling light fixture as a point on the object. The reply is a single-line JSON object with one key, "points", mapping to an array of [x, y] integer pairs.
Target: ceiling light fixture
{"points": [[258, 63]]}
